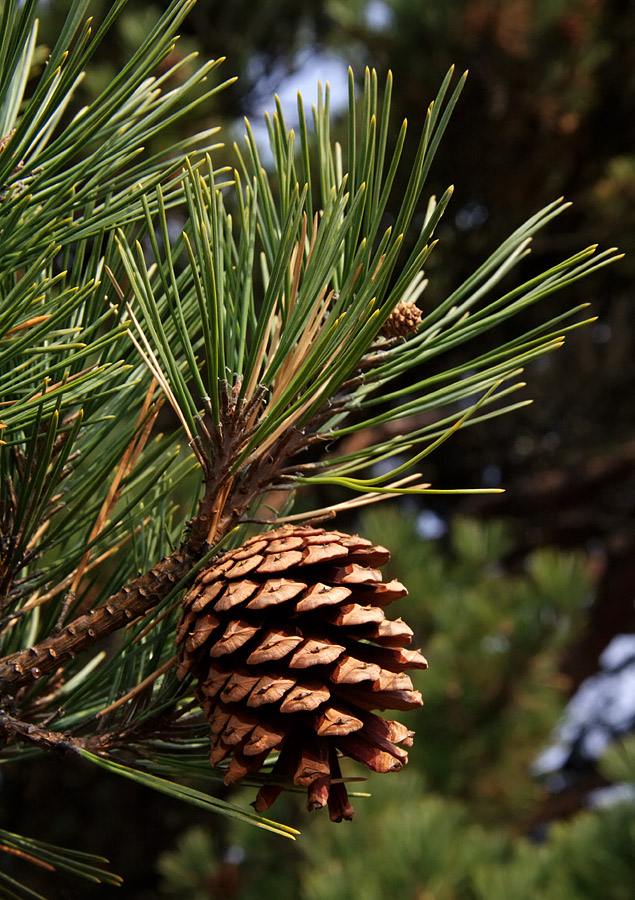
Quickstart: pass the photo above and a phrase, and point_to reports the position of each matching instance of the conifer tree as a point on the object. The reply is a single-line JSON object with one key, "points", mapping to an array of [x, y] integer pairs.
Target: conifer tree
{"points": [[274, 315]]}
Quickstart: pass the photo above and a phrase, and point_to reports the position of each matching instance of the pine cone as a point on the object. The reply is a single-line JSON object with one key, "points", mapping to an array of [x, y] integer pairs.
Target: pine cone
{"points": [[288, 640], [403, 320]]}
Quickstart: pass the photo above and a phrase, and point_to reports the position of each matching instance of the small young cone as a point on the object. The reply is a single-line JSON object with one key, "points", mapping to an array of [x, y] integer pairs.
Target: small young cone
{"points": [[289, 641], [403, 320]]}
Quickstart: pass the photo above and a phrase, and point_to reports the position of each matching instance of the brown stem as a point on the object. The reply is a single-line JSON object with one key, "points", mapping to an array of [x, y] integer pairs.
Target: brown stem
{"points": [[134, 600], [14, 729], [11, 728]]}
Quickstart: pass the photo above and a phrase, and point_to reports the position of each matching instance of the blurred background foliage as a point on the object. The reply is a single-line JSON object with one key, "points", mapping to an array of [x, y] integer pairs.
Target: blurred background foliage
{"points": [[511, 625]]}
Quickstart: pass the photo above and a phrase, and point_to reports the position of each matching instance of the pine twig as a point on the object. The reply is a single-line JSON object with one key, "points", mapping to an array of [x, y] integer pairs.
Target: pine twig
{"points": [[133, 600]]}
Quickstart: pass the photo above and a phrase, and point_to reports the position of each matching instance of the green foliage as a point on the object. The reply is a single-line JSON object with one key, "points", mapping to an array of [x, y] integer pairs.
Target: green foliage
{"points": [[75, 397], [415, 842], [424, 845], [85, 865], [618, 761], [190, 795], [330, 281], [190, 867], [546, 112]]}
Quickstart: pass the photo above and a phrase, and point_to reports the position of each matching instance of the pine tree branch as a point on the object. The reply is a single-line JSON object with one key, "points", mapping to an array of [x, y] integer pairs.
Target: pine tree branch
{"points": [[226, 499], [14, 728], [135, 599], [11, 728]]}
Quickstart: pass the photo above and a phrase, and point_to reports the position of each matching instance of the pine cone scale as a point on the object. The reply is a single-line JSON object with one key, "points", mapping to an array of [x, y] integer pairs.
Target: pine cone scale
{"points": [[304, 698], [336, 721], [351, 671], [264, 737], [235, 594], [239, 686], [276, 591], [320, 595], [270, 689], [236, 634], [315, 652]]}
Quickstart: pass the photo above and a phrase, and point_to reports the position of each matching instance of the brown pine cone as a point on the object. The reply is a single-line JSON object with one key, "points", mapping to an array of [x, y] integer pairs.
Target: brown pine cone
{"points": [[288, 640], [403, 320]]}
